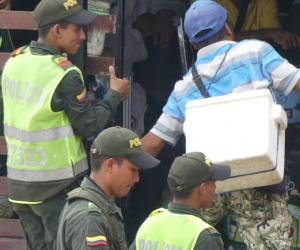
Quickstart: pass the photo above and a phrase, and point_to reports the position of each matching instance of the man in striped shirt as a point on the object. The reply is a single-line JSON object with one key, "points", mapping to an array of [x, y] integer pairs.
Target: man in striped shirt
{"points": [[227, 67]]}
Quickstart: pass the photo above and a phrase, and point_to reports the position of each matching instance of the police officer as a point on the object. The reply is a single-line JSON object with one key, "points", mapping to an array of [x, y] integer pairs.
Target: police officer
{"points": [[45, 116], [90, 218], [191, 180]]}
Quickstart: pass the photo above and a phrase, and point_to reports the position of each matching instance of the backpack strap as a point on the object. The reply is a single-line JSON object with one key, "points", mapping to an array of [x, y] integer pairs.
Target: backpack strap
{"points": [[242, 15], [198, 81], [80, 193]]}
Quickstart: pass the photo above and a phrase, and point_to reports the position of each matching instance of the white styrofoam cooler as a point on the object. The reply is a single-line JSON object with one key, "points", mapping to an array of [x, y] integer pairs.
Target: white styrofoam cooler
{"points": [[244, 130]]}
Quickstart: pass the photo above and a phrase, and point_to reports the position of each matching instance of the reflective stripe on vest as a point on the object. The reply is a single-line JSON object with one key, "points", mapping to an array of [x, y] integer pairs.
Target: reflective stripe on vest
{"points": [[41, 143], [165, 230], [38, 136], [47, 175]]}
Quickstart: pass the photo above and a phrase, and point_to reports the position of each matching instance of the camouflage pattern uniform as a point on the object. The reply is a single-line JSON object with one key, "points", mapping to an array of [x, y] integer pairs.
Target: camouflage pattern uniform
{"points": [[263, 219]]}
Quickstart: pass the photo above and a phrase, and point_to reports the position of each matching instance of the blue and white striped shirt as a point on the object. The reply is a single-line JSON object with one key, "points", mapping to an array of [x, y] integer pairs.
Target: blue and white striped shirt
{"points": [[249, 65]]}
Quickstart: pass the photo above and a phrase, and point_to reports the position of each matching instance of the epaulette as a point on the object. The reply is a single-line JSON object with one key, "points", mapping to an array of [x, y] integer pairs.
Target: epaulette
{"points": [[62, 61], [212, 230], [19, 51], [93, 207]]}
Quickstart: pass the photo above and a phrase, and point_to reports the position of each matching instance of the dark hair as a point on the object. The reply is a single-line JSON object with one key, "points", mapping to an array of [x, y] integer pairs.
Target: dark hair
{"points": [[98, 160], [183, 194], [215, 38], [43, 31]]}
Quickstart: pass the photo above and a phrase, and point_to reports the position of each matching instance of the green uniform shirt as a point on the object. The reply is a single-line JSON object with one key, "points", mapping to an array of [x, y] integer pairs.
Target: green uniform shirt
{"points": [[85, 119], [83, 225], [207, 240]]}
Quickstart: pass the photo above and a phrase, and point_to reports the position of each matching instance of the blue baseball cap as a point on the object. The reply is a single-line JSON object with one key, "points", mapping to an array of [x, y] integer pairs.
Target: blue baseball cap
{"points": [[204, 15]]}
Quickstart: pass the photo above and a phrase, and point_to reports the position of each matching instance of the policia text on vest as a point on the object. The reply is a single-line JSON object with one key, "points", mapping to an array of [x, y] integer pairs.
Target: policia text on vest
{"points": [[155, 245], [24, 92], [34, 135]]}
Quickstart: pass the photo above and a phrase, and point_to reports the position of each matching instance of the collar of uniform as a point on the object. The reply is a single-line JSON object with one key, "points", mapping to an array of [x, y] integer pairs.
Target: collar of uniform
{"points": [[212, 47], [43, 49], [178, 208], [92, 186]]}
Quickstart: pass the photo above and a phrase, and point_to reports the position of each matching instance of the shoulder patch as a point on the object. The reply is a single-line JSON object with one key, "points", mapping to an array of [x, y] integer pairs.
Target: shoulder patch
{"points": [[62, 61], [96, 241], [212, 230], [82, 97], [94, 207], [19, 51]]}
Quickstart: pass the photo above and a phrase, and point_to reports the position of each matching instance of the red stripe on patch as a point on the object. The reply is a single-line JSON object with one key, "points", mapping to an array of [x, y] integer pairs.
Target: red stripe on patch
{"points": [[82, 97], [16, 52], [96, 243], [64, 63]]}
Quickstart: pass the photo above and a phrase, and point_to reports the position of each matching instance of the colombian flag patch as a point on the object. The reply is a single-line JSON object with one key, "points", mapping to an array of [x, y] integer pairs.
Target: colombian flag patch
{"points": [[62, 61], [96, 241], [18, 51], [82, 97]]}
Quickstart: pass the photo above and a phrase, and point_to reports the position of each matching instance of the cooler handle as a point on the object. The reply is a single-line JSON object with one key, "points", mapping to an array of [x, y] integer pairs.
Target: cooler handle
{"points": [[279, 116]]}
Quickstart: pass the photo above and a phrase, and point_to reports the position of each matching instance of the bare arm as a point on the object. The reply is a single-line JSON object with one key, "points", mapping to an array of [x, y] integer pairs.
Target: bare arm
{"points": [[152, 144], [288, 40]]}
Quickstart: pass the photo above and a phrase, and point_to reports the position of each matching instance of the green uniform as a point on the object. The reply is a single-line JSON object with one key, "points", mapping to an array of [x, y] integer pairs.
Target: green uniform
{"points": [[40, 221], [86, 121], [83, 225], [207, 239]]}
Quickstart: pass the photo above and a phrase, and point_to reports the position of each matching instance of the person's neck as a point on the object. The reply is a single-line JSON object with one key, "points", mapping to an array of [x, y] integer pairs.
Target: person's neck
{"points": [[96, 177], [49, 41], [189, 202]]}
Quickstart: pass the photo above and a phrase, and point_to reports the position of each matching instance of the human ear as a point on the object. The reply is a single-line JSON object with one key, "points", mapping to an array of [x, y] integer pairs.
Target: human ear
{"points": [[56, 30], [228, 33], [201, 188], [109, 164]]}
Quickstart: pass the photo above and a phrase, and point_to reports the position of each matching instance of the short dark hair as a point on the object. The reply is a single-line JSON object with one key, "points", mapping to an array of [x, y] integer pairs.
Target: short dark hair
{"points": [[183, 194], [215, 38], [43, 31], [98, 160]]}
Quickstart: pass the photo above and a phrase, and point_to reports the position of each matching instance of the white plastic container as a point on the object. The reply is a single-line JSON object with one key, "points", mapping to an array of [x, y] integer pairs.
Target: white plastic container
{"points": [[244, 130], [95, 37]]}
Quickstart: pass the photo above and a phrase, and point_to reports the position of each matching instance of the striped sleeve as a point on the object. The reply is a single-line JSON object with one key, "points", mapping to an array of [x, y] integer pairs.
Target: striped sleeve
{"points": [[167, 128], [284, 75]]}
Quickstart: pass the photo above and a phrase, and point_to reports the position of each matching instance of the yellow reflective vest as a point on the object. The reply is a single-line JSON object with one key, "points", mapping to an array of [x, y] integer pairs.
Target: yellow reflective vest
{"points": [[42, 145], [166, 230]]}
